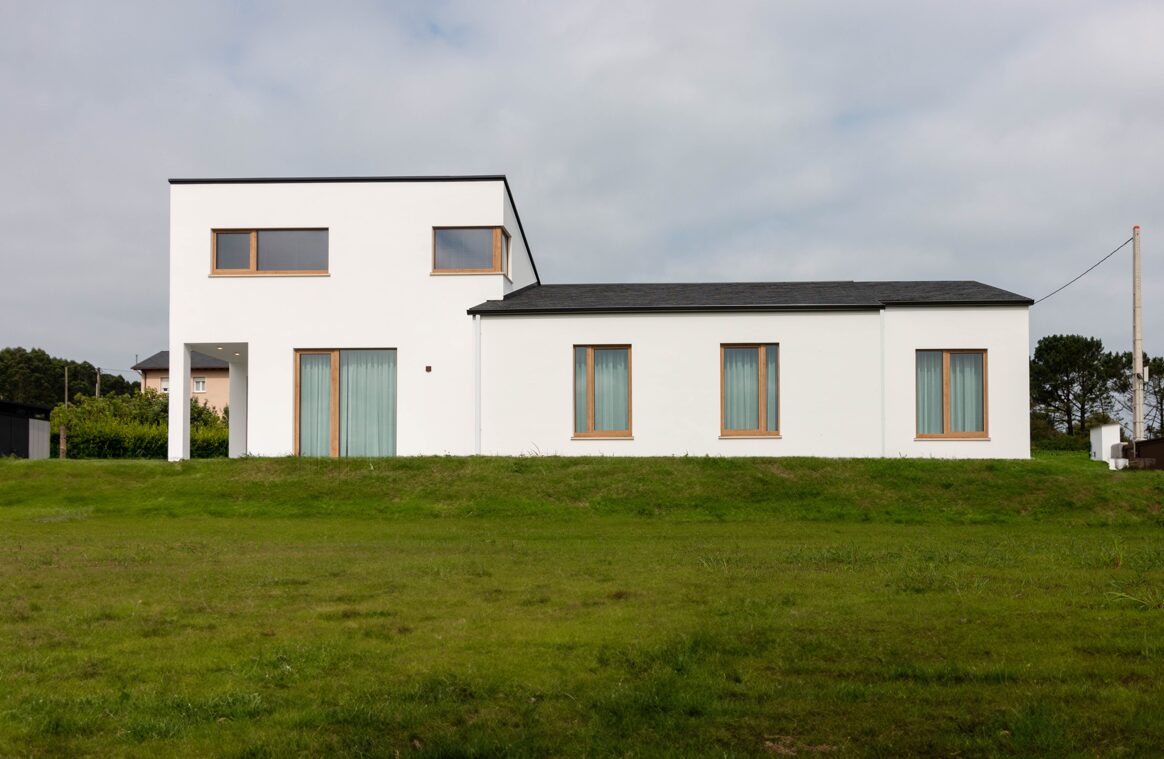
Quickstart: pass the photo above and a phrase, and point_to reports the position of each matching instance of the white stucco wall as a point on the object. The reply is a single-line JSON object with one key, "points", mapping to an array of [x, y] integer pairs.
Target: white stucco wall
{"points": [[380, 293], [528, 381], [1003, 333], [521, 266], [832, 396]]}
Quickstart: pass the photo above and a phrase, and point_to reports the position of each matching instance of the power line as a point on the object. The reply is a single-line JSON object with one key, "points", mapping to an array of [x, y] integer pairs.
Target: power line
{"points": [[1084, 274]]}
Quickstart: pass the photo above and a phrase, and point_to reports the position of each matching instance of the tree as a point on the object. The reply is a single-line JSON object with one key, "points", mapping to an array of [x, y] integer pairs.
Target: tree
{"points": [[33, 376], [1121, 390], [1071, 379]]}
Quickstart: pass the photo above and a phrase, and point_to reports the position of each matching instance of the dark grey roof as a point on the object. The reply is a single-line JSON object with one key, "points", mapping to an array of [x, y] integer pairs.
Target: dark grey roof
{"points": [[24, 410], [161, 360], [745, 296]]}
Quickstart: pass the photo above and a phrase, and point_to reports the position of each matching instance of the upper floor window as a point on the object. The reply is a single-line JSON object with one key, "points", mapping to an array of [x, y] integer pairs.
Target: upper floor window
{"points": [[165, 383], [749, 380], [269, 251], [470, 250], [200, 384], [951, 393]]}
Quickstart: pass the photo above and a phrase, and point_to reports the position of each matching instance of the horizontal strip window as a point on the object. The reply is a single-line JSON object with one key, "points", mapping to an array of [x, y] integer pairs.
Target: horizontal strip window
{"points": [[269, 251], [951, 394], [749, 382], [602, 391], [470, 250]]}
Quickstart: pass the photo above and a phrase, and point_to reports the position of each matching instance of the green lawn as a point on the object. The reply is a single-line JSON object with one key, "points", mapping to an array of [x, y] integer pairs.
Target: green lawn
{"points": [[581, 607]]}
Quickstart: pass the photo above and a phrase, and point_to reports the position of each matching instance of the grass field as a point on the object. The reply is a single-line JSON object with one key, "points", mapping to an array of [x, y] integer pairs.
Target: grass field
{"points": [[581, 607]]}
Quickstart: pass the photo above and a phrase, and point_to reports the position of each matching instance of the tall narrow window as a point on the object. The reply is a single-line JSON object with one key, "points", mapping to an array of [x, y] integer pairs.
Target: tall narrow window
{"points": [[602, 391], [346, 403], [269, 251], [749, 382], [470, 250], [951, 394], [315, 391], [367, 403]]}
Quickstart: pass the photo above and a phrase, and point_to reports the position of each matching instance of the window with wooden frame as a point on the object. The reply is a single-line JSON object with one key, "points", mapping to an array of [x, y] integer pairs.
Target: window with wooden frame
{"points": [[951, 394], [470, 250], [749, 390], [602, 391], [269, 252], [345, 402]]}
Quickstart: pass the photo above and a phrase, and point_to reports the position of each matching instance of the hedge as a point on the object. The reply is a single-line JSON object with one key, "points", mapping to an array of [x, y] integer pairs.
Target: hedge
{"points": [[1061, 443], [109, 439]]}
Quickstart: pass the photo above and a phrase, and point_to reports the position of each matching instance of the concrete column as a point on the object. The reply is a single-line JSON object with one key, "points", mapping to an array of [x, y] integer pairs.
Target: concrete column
{"points": [[238, 409], [179, 401]]}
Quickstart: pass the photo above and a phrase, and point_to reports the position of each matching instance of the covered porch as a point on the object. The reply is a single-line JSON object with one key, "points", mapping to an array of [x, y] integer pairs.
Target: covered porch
{"points": [[236, 355]]}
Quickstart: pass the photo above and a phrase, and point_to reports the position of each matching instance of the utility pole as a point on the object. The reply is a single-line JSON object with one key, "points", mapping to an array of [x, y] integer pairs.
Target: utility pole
{"points": [[98, 382], [1137, 344], [66, 385]]}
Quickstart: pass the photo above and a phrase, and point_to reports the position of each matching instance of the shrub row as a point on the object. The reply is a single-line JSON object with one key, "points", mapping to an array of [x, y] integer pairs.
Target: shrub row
{"points": [[1061, 443], [108, 439]]}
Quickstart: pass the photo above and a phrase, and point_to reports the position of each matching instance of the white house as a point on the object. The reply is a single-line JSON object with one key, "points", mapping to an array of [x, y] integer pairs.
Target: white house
{"points": [[405, 315]]}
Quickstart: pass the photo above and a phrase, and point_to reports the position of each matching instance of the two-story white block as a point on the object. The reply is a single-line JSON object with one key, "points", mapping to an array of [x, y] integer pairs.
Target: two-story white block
{"points": [[385, 316]]}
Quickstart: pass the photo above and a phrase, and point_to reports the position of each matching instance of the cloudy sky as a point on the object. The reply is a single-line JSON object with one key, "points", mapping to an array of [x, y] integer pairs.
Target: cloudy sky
{"points": [[1009, 142]]}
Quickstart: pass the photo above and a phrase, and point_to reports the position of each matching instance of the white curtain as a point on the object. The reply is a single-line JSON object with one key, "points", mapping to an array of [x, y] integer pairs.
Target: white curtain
{"points": [[314, 404], [368, 403], [611, 385], [741, 388], [772, 368], [929, 393], [966, 396]]}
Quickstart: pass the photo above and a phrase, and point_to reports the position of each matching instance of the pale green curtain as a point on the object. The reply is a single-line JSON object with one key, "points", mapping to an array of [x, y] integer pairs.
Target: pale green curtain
{"points": [[368, 403], [966, 396], [929, 393], [580, 389], [314, 404], [741, 388], [611, 389], [772, 367]]}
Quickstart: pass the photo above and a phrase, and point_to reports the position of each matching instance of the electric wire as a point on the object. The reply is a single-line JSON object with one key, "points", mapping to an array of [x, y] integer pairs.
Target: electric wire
{"points": [[1084, 274]]}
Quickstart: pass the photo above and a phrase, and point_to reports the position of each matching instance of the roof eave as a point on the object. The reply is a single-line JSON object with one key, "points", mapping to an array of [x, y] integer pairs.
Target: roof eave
{"points": [[337, 180], [1025, 302], [478, 310]]}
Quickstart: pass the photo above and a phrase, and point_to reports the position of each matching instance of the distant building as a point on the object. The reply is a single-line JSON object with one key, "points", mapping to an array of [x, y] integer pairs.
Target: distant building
{"points": [[209, 377], [24, 430]]}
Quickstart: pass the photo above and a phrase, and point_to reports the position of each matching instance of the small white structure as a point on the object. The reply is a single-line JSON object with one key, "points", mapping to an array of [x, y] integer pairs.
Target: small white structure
{"points": [[1106, 446], [382, 316]]}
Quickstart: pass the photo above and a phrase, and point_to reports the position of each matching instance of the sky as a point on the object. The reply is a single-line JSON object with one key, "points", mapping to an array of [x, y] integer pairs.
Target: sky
{"points": [[1014, 143]]}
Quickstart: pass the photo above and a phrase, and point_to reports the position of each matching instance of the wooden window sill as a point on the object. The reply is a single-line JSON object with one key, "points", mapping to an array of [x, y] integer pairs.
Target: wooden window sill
{"points": [[750, 437], [603, 437], [945, 439], [468, 272], [223, 274]]}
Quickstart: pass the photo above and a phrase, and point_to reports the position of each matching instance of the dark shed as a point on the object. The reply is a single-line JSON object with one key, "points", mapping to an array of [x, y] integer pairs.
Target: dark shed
{"points": [[1151, 452], [24, 430]]}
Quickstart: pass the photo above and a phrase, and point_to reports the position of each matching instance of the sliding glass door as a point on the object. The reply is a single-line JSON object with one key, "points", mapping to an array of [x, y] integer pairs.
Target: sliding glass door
{"points": [[346, 404]]}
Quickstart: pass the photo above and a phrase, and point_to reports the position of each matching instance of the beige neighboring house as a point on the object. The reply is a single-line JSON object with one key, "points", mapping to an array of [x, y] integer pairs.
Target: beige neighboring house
{"points": [[209, 377]]}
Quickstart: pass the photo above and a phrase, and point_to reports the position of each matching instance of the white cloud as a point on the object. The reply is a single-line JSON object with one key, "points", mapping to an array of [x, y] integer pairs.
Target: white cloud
{"points": [[1013, 142]]}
